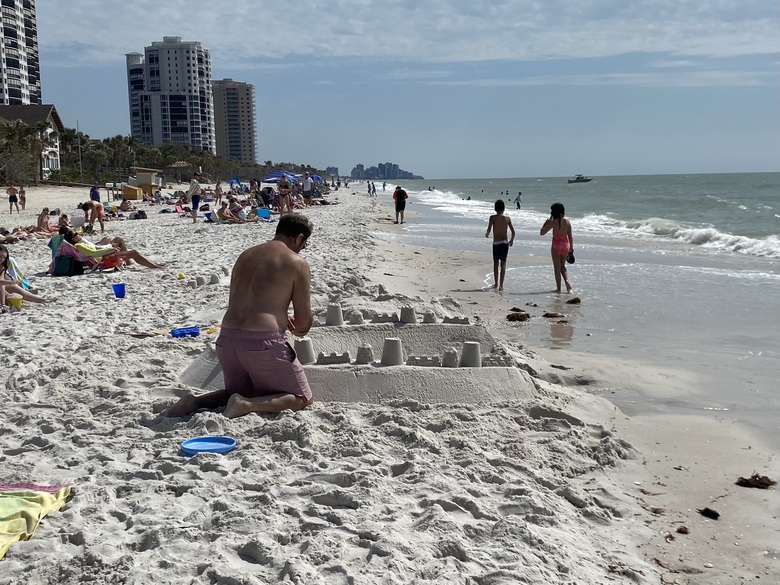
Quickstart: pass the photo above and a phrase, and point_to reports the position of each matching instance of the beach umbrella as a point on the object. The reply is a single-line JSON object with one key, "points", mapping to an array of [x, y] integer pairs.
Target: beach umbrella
{"points": [[315, 177]]}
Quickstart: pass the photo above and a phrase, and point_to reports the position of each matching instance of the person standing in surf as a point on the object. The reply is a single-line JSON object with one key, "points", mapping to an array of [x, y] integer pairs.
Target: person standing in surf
{"points": [[499, 224], [562, 243]]}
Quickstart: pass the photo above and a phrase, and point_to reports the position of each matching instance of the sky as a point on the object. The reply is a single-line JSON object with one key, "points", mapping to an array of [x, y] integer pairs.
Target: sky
{"points": [[454, 88]]}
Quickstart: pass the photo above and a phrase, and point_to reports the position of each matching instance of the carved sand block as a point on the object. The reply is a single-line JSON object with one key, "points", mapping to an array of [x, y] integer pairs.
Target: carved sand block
{"points": [[457, 320], [333, 358], [500, 361], [424, 361], [385, 318], [356, 318], [429, 317]]}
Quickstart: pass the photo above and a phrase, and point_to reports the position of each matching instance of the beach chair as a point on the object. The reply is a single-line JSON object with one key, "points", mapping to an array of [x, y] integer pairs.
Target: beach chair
{"points": [[180, 211], [65, 259], [69, 261]]}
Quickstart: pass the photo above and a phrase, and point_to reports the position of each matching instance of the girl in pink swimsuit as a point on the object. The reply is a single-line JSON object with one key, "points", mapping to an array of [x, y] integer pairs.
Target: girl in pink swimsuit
{"points": [[562, 243]]}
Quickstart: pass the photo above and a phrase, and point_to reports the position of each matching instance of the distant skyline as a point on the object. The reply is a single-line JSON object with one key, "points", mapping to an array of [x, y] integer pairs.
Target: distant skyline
{"points": [[456, 88]]}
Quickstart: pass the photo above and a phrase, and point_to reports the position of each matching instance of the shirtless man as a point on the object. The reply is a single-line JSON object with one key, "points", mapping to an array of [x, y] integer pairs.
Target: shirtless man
{"points": [[262, 373], [499, 224], [13, 199], [224, 214], [93, 211]]}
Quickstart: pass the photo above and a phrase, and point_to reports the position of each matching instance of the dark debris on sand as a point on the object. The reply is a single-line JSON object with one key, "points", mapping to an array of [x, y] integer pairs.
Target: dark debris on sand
{"points": [[756, 481]]}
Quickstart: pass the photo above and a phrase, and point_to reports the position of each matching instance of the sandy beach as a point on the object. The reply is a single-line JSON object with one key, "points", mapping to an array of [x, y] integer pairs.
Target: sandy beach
{"points": [[514, 473]]}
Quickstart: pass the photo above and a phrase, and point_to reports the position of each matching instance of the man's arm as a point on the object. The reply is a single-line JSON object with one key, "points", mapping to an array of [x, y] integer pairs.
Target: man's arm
{"points": [[302, 318], [511, 229], [490, 226]]}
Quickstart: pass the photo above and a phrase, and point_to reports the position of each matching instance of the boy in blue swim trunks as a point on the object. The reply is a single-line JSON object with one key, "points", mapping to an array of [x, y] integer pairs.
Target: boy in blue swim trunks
{"points": [[499, 224]]}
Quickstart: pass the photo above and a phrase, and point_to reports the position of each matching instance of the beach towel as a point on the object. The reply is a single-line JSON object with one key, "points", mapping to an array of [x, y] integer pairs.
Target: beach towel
{"points": [[23, 506], [15, 274]]}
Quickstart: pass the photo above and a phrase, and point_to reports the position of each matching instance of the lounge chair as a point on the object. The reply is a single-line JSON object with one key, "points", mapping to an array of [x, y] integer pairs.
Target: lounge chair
{"points": [[69, 261]]}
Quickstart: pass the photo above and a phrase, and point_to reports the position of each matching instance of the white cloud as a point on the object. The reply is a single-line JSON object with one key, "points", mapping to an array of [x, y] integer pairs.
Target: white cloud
{"points": [[243, 33]]}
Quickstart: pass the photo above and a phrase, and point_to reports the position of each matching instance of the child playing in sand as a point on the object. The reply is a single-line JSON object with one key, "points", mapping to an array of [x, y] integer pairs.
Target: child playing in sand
{"points": [[498, 224], [562, 243]]}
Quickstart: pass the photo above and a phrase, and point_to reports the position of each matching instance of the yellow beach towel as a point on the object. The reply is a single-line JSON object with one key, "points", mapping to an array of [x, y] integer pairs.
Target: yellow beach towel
{"points": [[22, 506]]}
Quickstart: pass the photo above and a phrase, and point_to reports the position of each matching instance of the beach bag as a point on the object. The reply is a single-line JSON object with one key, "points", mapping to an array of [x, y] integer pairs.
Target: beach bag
{"points": [[140, 214], [67, 266], [205, 207]]}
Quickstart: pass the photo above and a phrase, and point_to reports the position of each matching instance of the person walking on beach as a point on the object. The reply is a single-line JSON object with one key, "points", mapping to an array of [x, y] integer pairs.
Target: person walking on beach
{"points": [[22, 197], [562, 243], [518, 202], [193, 196], [13, 199], [261, 371], [399, 196], [499, 224], [218, 192]]}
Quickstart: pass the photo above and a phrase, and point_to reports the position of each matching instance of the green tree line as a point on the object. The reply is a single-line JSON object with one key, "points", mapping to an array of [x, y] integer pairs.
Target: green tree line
{"points": [[86, 160]]}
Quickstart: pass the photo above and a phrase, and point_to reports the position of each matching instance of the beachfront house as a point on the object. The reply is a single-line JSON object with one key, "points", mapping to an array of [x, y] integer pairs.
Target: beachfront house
{"points": [[31, 130]]}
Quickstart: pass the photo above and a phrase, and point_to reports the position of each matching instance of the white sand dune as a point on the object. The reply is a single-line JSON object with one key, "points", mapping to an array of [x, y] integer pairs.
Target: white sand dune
{"points": [[395, 475]]}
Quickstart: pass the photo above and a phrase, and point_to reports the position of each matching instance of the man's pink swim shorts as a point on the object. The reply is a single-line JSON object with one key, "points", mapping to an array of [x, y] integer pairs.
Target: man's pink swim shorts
{"points": [[259, 363]]}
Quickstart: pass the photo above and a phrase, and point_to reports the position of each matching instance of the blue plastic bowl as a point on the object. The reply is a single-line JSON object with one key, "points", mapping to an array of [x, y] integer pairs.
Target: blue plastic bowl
{"points": [[208, 445]]}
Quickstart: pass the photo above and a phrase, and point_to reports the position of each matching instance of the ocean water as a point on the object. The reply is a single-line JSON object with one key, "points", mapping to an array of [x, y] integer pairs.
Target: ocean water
{"points": [[677, 272]]}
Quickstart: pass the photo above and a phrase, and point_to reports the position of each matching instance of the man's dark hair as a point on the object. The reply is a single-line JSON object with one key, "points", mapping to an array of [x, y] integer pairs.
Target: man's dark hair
{"points": [[85, 206], [64, 230], [500, 205], [294, 224], [69, 236]]}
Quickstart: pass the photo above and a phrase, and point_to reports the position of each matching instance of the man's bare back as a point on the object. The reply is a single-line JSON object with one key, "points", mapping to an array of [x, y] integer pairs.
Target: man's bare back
{"points": [[265, 280]]}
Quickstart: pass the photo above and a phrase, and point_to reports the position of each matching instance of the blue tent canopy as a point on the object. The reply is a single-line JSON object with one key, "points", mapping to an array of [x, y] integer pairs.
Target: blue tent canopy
{"points": [[276, 175]]}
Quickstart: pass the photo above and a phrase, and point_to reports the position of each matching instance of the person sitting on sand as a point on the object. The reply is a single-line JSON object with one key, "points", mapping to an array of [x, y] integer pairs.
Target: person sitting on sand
{"points": [[224, 214], [100, 250], [9, 286], [93, 211], [260, 369], [64, 222], [126, 205], [43, 222]]}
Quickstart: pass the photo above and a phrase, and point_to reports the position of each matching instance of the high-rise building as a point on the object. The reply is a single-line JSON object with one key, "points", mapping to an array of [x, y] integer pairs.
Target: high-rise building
{"points": [[170, 94], [234, 120], [20, 76]]}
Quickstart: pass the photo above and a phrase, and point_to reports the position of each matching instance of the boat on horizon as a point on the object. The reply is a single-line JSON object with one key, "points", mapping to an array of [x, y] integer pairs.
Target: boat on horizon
{"points": [[580, 179]]}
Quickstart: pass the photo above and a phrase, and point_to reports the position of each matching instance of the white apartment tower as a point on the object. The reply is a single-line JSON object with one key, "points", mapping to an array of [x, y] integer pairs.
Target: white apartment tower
{"points": [[170, 94], [20, 76], [234, 120]]}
